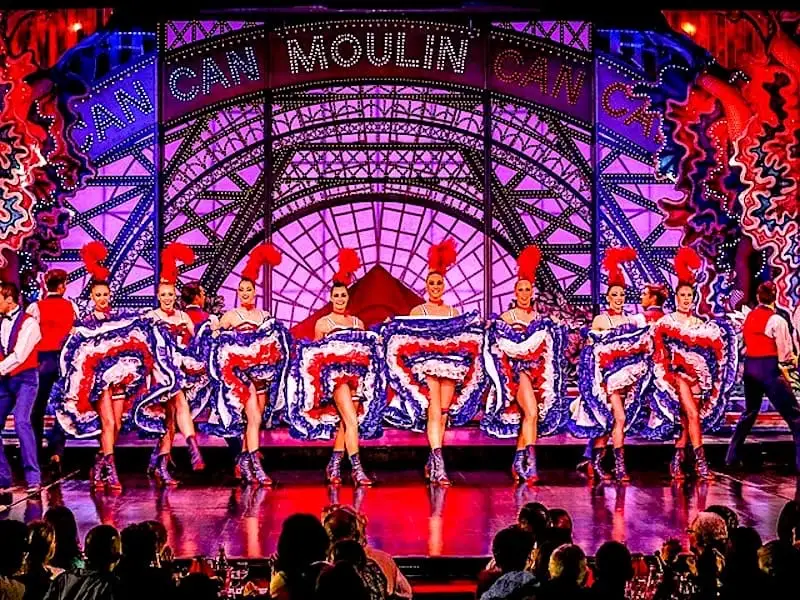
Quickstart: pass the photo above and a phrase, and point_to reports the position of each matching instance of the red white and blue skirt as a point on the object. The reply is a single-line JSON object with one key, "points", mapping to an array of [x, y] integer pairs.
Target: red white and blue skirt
{"points": [[617, 360], [706, 357], [351, 356], [540, 352], [129, 356], [420, 347], [239, 359], [191, 376]]}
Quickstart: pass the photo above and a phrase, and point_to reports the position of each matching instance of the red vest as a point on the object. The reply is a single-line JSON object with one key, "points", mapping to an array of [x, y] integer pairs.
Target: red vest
{"points": [[56, 318], [32, 362], [756, 342], [197, 315], [653, 314]]}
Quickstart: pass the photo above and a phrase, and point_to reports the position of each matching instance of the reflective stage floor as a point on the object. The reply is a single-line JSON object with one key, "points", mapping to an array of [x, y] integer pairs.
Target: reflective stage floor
{"points": [[408, 518]]}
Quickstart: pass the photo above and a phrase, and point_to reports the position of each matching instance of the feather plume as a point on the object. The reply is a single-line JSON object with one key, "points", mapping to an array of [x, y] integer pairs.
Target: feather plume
{"points": [[528, 263], [611, 263], [687, 261], [91, 255], [170, 256], [264, 254], [349, 263], [442, 256]]}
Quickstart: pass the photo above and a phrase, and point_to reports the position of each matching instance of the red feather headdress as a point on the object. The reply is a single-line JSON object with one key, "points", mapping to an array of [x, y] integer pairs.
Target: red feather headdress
{"points": [[528, 263], [611, 262], [91, 255], [442, 256], [349, 263], [169, 261], [264, 254], [687, 261]]}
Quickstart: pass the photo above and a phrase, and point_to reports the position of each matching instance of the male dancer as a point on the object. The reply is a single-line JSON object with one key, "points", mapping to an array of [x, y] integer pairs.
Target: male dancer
{"points": [[767, 357], [193, 295], [654, 295], [19, 380], [56, 316]]}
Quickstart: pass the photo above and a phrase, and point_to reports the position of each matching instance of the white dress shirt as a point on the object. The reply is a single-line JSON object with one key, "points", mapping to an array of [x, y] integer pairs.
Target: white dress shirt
{"points": [[29, 336], [778, 329]]}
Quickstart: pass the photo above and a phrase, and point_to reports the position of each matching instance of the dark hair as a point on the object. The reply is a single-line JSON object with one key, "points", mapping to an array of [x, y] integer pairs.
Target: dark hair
{"points": [[789, 522], [683, 284], [98, 283], [15, 542], [9, 289], [302, 544], [559, 519], [536, 517], [339, 284], [343, 524], [659, 292], [68, 547], [512, 548], [102, 546], [613, 562], [198, 586], [767, 292], [190, 291], [41, 543], [250, 281], [139, 544], [160, 531], [341, 581], [55, 278], [349, 551]]}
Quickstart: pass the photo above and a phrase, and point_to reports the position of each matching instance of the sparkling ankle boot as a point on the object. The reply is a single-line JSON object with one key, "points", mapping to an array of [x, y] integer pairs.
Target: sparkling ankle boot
{"points": [[359, 476], [620, 472], [333, 472], [676, 464]]}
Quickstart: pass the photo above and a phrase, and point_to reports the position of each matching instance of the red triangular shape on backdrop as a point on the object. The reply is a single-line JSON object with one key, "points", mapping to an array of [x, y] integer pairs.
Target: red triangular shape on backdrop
{"points": [[374, 297]]}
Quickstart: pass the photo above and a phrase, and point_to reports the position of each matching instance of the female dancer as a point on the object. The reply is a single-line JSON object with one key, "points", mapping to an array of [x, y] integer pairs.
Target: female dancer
{"points": [[527, 362], [248, 318], [181, 329], [681, 375], [441, 382], [608, 403], [343, 392], [108, 362], [111, 405]]}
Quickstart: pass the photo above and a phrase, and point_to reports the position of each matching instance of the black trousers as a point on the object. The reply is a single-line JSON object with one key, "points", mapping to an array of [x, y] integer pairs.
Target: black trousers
{"points": [[48, 376], [763, 376]]}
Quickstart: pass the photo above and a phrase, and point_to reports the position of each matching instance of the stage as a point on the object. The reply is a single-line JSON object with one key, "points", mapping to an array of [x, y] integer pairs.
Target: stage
{"points": [[408, 518]]}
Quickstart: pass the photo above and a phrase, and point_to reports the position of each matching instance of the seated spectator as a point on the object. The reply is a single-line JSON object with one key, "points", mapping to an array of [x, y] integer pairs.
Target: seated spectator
{"points": [[789, 523], [741, 577], [534, 518], [96, 581], [344, 523], [302, 549], [38, 572], [613, 570], [197, 586], [511, 549], [14, 536], [68, 547], [568, 570], [352, 553], [708, 536], [561, 522], [163, 551], [779, 562], [728, 515], [137, 576], [339, 581]]}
